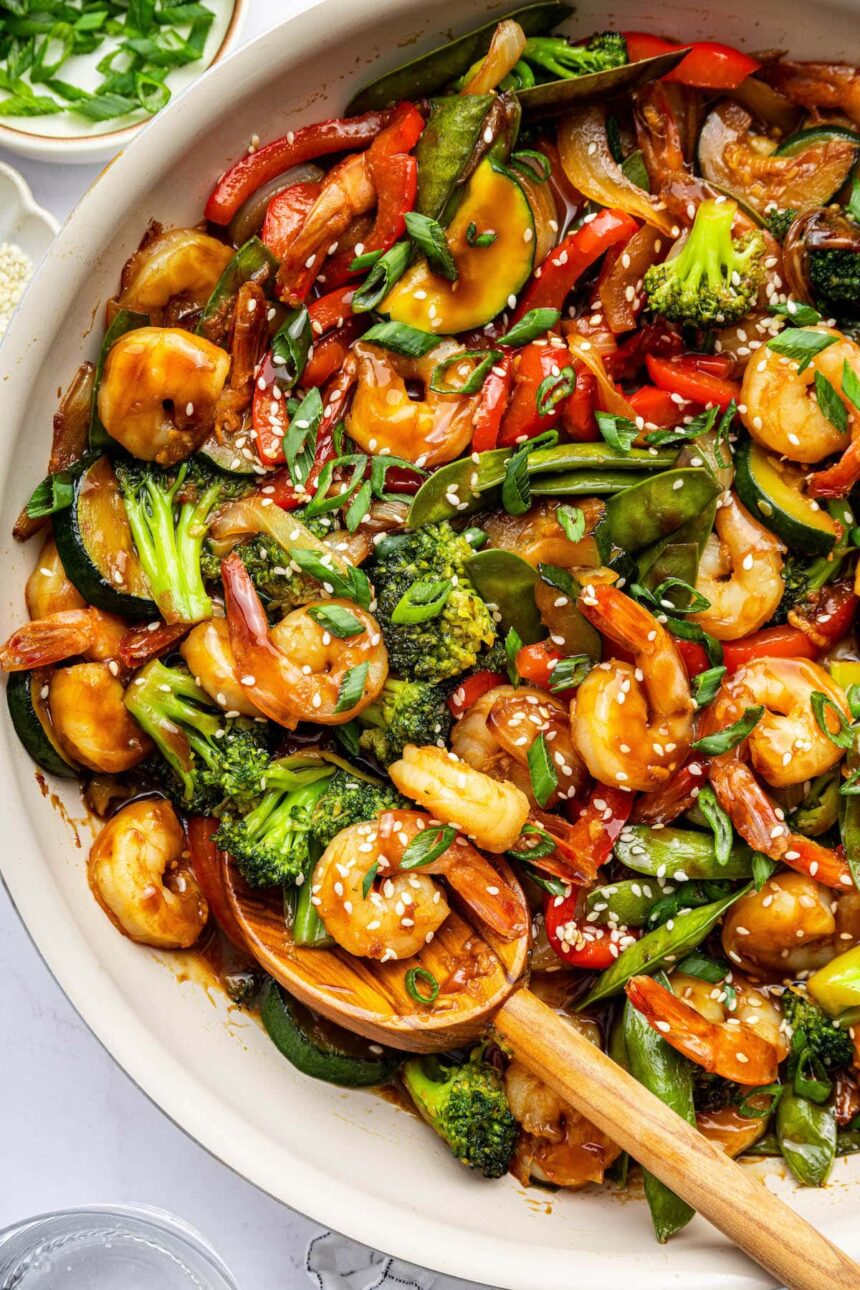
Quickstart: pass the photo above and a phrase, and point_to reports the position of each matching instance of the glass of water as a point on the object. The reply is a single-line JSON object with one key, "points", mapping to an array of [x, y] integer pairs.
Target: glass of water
{"points": [[109, 1247]]}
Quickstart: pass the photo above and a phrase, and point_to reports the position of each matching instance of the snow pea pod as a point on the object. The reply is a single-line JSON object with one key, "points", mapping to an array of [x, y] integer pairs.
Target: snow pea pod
{"points": [[446, 146], [807, 1137], [655, 507], [627, 902], [507, 581], [669, 1076], [430, 72], [581, 483], [253, 261], [680, 854], [124, 320], [678, 555], [665, 945]]}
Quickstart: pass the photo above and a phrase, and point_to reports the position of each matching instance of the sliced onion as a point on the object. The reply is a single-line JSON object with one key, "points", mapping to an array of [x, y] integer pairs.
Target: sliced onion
{"points": [[620, 290], [508, 43], [590, 167], [248, 219], [545, 212], [607, 396], [257, 514]]}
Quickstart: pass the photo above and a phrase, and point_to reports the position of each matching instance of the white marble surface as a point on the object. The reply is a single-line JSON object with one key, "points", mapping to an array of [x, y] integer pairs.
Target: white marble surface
{"points": [[75, 1129]]}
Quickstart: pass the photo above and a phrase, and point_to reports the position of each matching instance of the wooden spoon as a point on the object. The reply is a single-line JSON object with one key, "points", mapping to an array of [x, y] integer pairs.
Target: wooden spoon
{"points": [[481, 980]]}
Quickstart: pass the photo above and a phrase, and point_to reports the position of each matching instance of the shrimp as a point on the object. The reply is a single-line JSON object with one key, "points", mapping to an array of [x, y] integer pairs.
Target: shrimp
{"points": [[632, 725], [428, 431], [159, 390], [557, 1144], [206, 650], [295, 671], [744, 1004], [48, 589], [491, 813], [732, 1048], [782, 411], [348, 191], [740, 573], [62, 635], [175, 262], [791, 925], [538, 537], [402, 910], [91, 722], [140, 875]]}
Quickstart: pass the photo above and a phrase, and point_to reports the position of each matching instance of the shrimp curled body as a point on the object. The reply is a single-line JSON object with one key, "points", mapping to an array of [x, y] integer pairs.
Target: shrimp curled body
{"points": [[138, 875], [632, 725], [176, 262], [400, 911], [740, 573]]}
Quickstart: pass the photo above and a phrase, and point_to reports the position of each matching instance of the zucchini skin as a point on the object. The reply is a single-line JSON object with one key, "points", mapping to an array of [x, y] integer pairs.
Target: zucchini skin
{"points": [[30, 729], [808, 539], [282, 1027], [80, 565]]}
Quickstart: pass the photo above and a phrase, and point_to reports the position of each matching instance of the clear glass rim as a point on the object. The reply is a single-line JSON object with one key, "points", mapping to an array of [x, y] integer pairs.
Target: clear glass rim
{"points": [[151, 1216]]}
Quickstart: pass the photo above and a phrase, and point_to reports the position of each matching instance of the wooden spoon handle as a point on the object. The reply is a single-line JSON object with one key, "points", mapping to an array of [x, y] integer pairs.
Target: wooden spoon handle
{"points": [[703, 1175]]}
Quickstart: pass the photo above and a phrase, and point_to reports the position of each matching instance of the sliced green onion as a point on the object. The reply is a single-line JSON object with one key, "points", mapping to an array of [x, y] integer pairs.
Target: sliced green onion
{"points": [[429, 236], [800, 345], [413, 976], [400, 338], [619, 432], [351, 687], [367, 881], [474, 238], [851, 384], [544, 775], [513, 645], [301, 437], [830, 404], [387, 270], [570, 672], [533, 324], [349, 583], [719, 821], [797, 313], [423, 600], [484, 360], [553, 389], [291, 345], [821, 703], [736, 733], [706, 685], [427, 846], [572, 520], [521, 160], [337, 620]]}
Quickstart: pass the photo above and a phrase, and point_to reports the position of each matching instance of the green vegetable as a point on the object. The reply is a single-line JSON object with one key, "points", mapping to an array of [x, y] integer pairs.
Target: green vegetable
{"points": [[450, 643], [29, 714], [714, 280], [270, 842], [427, 846], [552, 98], [663, 946], [429, 237], [406, 712], [387, 270], [728, 738], [348, 799], [427, 992], [834, 278], [819, 810], [453, 131], [533, 324], [506, 581], [774, 492], [400, 338], [626, 902], [653, 508], [836, 986], [168, 514], [807, 1137], [124, 320], [253, 262], [815, 1033], [800, 345], [206, 759], [668, 1075], [564, 61], [309, 1054], [431, 72], [679, 854], [467, 1106]]}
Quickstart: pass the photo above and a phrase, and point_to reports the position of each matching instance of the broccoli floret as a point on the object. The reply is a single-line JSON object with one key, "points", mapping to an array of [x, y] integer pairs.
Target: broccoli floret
{"points": [[406, 712], [467, 1106], [562, 60], [207, 757], [802, 579], [814, 1031], [349, 799], [834, 277], [778, 221], [450, 643], [280, 587], [168, 513], [713, 281], [712, 1092], [271, 842]]}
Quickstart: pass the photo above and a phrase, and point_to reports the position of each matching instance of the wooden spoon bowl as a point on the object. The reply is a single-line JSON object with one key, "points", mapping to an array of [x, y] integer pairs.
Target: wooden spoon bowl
{"points": [[476, 971]]}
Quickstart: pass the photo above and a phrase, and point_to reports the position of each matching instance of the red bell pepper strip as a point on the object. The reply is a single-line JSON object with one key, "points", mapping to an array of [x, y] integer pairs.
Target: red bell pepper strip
{"points": [[257, 168], [577, 411], [330, 352], [657, 407], [655, 337], [285, 214], [708, 66], [495, 393], [269, 414], [471, 689], [694, 656], [400, 135], [535, 663], [772, 642], [206, 862], [691, 380], [396, 182], [522, 420], [828, 615], [563, 268], [331, 310], [581, 944], [839, 479]]}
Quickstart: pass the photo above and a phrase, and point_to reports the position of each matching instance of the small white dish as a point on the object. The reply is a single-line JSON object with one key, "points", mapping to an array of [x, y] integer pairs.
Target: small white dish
{"points": [[66, 138], [21, 220]]}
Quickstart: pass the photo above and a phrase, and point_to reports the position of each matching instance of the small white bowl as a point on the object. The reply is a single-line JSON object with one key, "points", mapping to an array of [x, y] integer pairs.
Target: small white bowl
{"points": [[21, 220], [65, 138]]}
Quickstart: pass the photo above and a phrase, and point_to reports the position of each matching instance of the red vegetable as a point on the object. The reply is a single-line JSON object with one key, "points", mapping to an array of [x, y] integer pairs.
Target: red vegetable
{"points": [[694, 655], [535, 663], [331, 310], [330, 352], [522, 420], [839, 479], [563, 268], [657, 407], [577, 411], [586, 945], [692, 379], [495, 393], [772, 642], [471, 689], [708, 66], [257, 168]]}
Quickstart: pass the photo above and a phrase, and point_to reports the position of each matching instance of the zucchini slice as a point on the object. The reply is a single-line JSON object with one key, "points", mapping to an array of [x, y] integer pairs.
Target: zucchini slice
{"points": [[32, 723], [224, 455], [309, 1054], [488, 276], [96, 547], [772, 490]]}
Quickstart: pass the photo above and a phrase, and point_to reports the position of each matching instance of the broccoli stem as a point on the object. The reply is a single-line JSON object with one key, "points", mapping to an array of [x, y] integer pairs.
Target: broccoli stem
{"points": [[709, 245], [308, 928], [173, 710], [170, 548]]}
